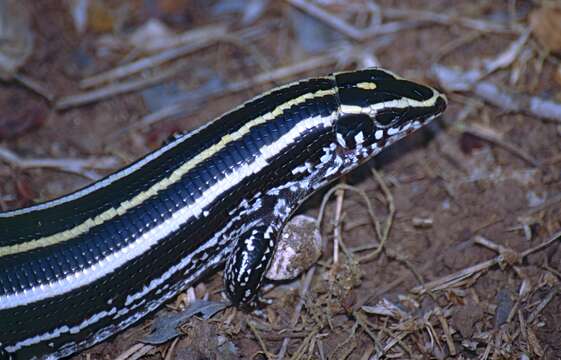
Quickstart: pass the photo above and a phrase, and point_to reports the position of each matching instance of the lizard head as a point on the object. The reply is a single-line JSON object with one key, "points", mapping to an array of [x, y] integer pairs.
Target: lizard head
{"points": [[377, 108]]}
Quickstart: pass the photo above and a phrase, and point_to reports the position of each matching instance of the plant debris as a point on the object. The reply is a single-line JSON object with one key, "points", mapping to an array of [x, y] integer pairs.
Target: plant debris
{"points": [[446, 245]]}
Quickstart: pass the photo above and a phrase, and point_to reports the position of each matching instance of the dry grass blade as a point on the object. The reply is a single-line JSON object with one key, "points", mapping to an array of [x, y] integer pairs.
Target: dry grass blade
{"points": [[260, 340], [447, 333], [453, 279], [337, 236], [507, 57], [365, 326], [393, 341], [297, 311], [383, 236], [135, 352], [506, 254], [364, 196], [533, 316], [278, 74]]}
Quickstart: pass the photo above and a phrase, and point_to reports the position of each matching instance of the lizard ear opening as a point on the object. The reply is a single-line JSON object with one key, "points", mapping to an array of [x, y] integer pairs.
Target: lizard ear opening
{"points": [[352, 130]]}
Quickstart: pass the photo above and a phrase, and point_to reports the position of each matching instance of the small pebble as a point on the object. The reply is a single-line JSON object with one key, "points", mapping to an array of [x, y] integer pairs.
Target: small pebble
{"points": [[299, 248]]}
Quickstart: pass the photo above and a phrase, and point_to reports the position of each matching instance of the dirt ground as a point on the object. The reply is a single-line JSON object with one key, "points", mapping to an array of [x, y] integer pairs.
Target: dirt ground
{"points": [[461, 273]]}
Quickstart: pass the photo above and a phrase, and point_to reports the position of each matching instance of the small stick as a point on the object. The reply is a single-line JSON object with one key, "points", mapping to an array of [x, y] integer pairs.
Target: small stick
{"points": [[394, 340], [35, 86], [450, 280], [446, 329], [189, 42], [360, 192], [182, 109], [382, 235], [70, 165], [548, 203], [304, 287], [542, 305], [366, 328], [507, 57], [359, 34], [490, 135], [337, 237], [447, 19], [455, 44], [169, 353], [135, 352], [118, 89], [455, 80], [555, 237], [260, 340]]}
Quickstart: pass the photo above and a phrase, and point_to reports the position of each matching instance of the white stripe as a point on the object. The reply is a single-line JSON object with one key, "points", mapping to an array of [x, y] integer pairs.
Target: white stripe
{"points": [[61, 330], [103, 314], [401, 103], [128, 170], [153, 236], [404, 102], [184, 262]]}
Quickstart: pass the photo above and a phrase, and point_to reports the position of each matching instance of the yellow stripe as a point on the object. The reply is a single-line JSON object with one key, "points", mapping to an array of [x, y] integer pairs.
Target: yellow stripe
{"points": [[366, 85], [163, 184]]}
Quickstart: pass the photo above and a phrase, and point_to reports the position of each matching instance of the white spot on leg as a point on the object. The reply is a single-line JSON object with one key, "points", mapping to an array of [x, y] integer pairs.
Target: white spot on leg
{"points": [[341, 140], [359, 138]]}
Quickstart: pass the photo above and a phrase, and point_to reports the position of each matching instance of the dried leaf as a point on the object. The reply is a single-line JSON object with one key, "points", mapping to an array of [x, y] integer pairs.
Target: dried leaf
{"points": [[546, 27], [100, 17], [504, 306], [385, 308], [534, 343], [16, 36], [166, 325]]}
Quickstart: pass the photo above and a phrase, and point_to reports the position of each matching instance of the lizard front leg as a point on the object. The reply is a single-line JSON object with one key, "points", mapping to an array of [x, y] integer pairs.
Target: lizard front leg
{"points": [[255, 245]]}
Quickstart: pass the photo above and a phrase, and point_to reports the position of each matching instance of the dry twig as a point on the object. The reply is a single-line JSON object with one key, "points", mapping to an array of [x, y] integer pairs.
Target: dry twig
{"points": [[304, 287], [449, 19], [182, 109], [70, 165], [455, 80], [135, 352], [506, 254], [489, 134], [358, 34], [120, 88], [186, 43], [260, 340]]}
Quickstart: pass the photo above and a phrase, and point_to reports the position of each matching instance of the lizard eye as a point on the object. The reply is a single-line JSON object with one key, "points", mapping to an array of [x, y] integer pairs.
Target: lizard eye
{"points": [[353, 129], [385, 118]]}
